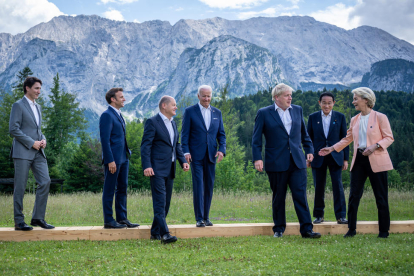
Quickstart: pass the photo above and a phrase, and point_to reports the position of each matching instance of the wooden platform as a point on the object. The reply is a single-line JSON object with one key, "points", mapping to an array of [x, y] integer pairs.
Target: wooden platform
{"points": [[98, 233]]}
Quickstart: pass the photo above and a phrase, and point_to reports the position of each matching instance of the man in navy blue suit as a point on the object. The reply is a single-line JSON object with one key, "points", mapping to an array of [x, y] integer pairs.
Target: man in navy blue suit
{"points": [[159, 152], [202, 128], [326, 128], [115, 154], [285, 164]]}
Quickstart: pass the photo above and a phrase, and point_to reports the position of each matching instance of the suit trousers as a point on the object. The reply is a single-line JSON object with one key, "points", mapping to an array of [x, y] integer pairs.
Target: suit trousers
{"points": [[379, 183], [41, 175], [319, 181], [203, 174], [161, 189], [296, 179], [115, 184]]}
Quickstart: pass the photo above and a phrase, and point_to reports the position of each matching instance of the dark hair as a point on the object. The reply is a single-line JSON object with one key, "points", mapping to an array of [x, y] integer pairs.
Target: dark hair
{"points": [[329, 94], [30, 81], [111, 93]]}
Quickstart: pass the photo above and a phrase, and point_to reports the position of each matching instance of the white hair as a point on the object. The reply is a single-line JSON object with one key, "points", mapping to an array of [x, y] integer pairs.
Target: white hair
{"points": [[204, 86], [280, 88], [367, 94]]}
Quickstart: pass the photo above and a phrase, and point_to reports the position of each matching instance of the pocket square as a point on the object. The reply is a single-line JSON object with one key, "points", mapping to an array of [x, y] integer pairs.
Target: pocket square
{"points": [[215, 118]]}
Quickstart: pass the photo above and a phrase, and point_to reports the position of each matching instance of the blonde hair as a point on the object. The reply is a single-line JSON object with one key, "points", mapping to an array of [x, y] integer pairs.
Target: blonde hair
{"points": [[367, 94], [280, 88]]}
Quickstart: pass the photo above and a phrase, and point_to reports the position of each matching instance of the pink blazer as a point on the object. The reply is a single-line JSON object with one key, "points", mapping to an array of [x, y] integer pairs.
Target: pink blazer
{"points": [[378, 131]]}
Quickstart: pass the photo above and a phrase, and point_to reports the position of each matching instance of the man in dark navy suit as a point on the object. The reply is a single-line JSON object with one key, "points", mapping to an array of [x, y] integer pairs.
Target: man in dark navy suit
{"points": [[115, 154], [159, 152], [285, 164], [202, 128], [326, 128]]}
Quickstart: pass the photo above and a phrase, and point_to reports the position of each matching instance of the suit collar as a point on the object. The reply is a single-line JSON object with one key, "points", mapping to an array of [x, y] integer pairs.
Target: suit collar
{"points": [[112, 109], [164, 128], [28, 107], [276, 116]]}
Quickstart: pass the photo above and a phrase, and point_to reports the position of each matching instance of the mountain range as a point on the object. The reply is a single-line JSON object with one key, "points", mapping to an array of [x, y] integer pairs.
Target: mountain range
{"points": [[150, 59]]}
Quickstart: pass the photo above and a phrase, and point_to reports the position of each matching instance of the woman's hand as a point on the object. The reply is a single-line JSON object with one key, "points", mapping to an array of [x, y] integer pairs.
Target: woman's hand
{"points": [[326, 151]]}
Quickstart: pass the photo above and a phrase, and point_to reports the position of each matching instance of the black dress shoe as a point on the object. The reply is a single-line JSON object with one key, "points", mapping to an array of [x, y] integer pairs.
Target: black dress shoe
{"points": [[200, 223], [342, 221], [350, 233], [128, 223], [278, 235], [42, 223], [318, 220], [311, 235], [114, 225], [167, 238], [207, 222], [155, 237], [383, 235], [22, 226]]}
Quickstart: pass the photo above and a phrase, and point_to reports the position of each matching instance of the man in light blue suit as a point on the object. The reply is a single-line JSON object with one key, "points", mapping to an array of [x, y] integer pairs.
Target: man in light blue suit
{"points": [[284, 129], [115, 155], [202, 129]]}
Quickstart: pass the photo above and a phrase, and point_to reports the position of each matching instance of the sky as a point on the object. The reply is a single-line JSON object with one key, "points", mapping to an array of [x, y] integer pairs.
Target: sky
{"points": [[393, 16]]}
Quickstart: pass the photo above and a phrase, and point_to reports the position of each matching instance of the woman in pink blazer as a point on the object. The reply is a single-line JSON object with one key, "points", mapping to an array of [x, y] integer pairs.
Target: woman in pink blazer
{"points": [[372, 135]]}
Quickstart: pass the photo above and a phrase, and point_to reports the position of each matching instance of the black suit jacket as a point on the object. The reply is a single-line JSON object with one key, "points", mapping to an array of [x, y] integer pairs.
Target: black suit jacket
{"points": [[337, 131], [156, 147]]}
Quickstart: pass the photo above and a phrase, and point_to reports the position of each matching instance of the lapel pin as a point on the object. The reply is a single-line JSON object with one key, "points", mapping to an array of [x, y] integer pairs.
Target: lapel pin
{"points": [[333, 123], [371, 126]]}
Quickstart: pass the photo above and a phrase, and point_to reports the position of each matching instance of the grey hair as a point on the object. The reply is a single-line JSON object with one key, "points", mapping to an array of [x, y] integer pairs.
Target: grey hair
{"points": [[164, 100], [367, 94], [280, 88], [204, 86]]}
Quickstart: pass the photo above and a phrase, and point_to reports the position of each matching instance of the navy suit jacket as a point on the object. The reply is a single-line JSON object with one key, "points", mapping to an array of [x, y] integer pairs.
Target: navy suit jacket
{"points": [[156, 147], [195, 138], [279, 144], [113, 138], [337, 131]]}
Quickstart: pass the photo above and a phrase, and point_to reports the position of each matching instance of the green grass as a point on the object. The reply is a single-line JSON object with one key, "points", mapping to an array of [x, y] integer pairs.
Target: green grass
{"points": [[85, 209], [258, 255]]}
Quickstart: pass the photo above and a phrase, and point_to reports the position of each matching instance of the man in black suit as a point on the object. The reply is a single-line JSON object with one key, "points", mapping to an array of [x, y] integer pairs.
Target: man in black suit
{"points": [[326, 128], [284, 129], [159, 151]]}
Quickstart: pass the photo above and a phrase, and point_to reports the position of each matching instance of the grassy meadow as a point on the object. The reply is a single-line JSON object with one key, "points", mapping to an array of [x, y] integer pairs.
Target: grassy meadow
{"points": [[85, 209]]}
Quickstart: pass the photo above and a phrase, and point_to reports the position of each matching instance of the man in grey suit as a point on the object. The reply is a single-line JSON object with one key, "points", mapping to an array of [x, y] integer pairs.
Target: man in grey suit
{"points": [[28, 153]]}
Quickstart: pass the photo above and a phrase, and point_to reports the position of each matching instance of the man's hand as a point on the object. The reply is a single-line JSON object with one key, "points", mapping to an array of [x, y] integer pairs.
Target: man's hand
{"points": [[258, 165], [43, 145], [369, 150], [220, 156], [186, 167], [37, 145], [112, 167], [149, 172], [188, 158], [309, 157], [345, 165], [308, 164], [326, 151]]}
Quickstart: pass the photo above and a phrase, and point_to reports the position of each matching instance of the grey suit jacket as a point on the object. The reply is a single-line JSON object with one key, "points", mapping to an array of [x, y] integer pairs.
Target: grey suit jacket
{"points": [[24, 130]]}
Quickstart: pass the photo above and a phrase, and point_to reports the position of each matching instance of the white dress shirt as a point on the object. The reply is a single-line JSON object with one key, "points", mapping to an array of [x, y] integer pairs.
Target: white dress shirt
{"points": [[34, 109], [285, 117], [168, 125], [326, 121], [362, 135], [206, 112]]}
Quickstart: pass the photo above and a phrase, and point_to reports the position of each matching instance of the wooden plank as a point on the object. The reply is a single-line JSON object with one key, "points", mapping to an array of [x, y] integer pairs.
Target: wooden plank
{"points": [[190, 231], [98, 233]]}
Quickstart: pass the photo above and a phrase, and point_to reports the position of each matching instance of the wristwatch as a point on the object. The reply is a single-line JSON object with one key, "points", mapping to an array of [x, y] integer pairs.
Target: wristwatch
{"points": [[378, 146]]}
